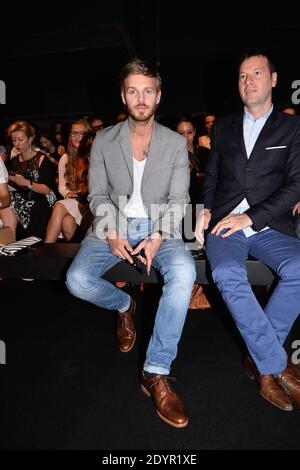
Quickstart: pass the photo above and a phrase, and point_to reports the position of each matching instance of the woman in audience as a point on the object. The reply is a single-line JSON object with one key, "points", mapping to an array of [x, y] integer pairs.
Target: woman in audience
{"points": [[32, 180], [204, 140], [186, 127], [72, 211], [52, 149]]}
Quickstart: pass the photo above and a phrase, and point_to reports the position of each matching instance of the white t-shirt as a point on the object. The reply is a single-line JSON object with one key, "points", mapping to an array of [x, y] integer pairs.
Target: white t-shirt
{"points": [[134, 207], [3, 172]]}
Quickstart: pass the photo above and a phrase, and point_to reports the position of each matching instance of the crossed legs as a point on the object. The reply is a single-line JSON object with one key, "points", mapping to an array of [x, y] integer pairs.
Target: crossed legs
{"points": [[61, 221]]}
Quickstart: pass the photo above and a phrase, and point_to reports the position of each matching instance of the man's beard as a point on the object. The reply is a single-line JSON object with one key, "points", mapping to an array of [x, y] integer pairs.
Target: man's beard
{"points": [[143, 115]]}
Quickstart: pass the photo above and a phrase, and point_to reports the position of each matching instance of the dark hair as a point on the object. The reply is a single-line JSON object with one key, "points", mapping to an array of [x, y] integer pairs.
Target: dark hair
{"points": [[282, 109], [47, 134], [185, 117], [139, 67], [254, 53]]}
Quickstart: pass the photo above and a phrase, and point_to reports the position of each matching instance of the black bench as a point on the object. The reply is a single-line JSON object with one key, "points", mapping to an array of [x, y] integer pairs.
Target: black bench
{"points": [[51, 261]]}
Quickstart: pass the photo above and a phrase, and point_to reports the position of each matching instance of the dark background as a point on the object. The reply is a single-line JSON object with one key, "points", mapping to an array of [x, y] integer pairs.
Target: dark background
{"points": [[63, 59]]}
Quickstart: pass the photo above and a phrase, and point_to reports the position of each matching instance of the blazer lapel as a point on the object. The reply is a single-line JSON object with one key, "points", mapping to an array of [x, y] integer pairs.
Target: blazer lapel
{"points": [[239, 132], [265, 133], [125, 145], [154, 151]]}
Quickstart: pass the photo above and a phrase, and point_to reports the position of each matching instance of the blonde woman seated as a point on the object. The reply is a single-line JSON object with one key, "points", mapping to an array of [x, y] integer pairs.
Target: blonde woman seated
{"points": [[72, 212], [32, 184]]}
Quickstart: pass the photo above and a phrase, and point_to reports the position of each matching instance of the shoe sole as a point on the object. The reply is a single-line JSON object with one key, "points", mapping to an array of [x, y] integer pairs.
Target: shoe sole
{"points": [[127, 350], [287, 392], [252, 377], [178, 426]]}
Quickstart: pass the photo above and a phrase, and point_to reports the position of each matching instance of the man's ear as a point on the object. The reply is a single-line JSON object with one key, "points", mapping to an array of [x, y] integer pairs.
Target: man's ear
{"points": [[158, 97], [274, 79]]}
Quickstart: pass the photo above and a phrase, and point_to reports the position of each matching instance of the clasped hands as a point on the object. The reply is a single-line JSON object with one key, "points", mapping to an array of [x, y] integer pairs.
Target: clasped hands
{"points": [[121, 247], [19, 180]]}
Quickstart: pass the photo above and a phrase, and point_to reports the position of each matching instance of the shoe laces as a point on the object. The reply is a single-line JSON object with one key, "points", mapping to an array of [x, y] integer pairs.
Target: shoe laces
{"points": [[164, 378]]}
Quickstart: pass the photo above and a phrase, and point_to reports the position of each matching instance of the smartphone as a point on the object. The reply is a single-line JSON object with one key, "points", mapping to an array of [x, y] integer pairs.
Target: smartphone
{"points": [[137, 263]]}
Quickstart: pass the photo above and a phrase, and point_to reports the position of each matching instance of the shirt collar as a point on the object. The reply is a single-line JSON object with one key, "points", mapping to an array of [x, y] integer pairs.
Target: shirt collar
{"points": [[265, 116]]}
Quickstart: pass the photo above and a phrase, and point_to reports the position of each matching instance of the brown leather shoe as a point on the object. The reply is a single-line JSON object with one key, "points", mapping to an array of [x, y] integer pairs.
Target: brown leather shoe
{"points": [[290, 383], [268, 387], [295, 368], [126, 333], [169, 406], [198, 298]]}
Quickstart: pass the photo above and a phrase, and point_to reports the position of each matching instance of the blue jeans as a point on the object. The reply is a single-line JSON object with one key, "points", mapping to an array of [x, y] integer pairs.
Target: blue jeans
{"points": [[264, 331], [175, 264]]}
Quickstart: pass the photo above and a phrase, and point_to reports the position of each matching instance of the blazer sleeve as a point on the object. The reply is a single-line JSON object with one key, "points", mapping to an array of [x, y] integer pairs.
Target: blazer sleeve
{"points": [[178, 196], [102, 208]]}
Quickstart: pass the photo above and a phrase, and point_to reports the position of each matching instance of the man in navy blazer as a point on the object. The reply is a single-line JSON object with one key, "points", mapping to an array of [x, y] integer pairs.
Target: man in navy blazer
{"points": [[252, 183]]}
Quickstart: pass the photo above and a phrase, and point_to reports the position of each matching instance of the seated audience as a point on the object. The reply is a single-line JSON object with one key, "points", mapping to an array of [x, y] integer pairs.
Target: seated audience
{"points": [[72, 212], [32, 180]]}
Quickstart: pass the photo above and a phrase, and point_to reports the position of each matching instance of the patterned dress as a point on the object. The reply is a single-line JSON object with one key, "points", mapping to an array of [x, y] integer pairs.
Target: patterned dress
{"points": [[31, 208]]}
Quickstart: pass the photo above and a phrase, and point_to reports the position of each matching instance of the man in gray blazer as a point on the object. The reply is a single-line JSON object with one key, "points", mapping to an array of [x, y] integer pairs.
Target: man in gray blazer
{"points": [[138, 183]]}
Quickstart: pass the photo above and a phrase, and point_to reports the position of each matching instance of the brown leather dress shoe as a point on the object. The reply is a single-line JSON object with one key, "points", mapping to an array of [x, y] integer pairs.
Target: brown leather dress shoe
{"points": [[169, 406], [126, 333], [295, 367], [268, 387], [290, 383]]}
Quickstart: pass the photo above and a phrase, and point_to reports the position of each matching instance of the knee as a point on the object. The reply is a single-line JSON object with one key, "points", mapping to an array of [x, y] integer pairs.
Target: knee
{"points": [[228, 270], [59, 209], [77, 282], [68, 222], [73, 281], [83, 283], [184, 272], [291, 268]]}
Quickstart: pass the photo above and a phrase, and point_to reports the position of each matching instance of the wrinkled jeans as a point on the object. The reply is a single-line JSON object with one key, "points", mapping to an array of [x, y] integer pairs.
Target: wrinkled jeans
{"points": [[175, 264]]}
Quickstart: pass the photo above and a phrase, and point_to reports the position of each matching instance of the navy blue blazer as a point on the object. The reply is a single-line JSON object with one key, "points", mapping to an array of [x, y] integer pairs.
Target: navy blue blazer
{"points": [[269, 179]]}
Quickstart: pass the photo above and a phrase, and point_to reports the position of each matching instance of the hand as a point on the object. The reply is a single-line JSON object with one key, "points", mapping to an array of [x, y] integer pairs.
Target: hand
{"points": [[232, 223], [296, 209], [119, 246], [201, 225], [19, 180], [150, 246]]}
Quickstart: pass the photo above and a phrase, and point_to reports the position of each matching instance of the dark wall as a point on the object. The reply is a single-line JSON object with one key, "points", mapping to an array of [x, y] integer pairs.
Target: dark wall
{"points": [[197, 61]]}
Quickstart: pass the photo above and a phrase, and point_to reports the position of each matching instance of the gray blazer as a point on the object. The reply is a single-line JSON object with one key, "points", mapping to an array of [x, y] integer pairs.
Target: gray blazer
{"points": [[165, 182]]}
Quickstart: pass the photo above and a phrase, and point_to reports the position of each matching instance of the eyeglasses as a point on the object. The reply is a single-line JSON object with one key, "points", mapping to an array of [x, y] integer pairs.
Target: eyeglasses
{"points": [[79, 133]]}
